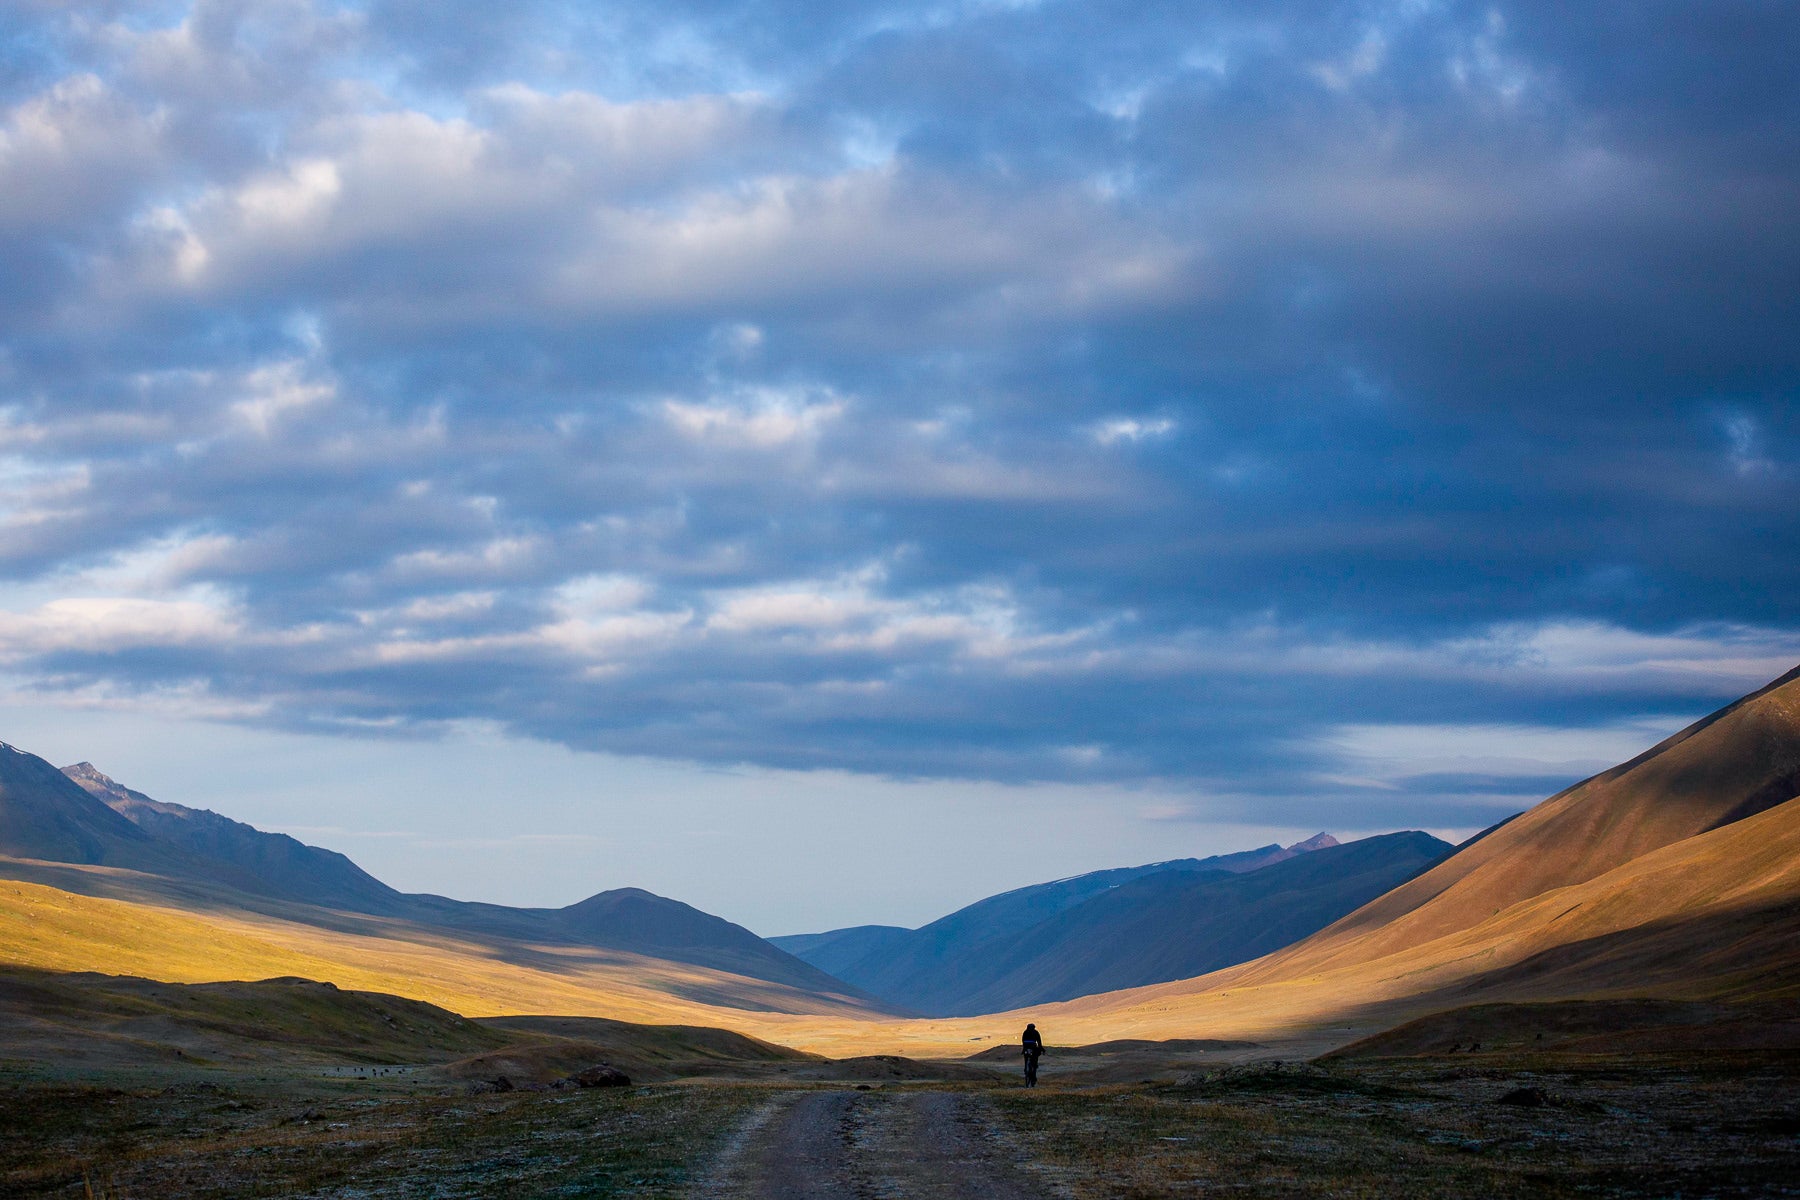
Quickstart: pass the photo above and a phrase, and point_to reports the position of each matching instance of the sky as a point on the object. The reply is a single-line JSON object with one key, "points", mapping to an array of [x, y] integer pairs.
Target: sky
{"points": [[830, 463]]}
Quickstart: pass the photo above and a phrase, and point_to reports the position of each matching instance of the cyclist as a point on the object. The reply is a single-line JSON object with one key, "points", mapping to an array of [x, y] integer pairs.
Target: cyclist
{"points": [[1032, 1046]]}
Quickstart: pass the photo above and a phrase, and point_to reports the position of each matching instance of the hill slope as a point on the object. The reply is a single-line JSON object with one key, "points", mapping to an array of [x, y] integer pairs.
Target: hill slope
{"points": [[1738, 762], [65, 918], [1679, 881]]}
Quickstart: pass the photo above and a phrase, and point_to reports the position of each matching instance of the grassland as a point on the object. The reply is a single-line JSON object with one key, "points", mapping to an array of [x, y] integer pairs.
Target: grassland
{"points": [[1726, 1126], [1425, 1128], [285, 1137]]}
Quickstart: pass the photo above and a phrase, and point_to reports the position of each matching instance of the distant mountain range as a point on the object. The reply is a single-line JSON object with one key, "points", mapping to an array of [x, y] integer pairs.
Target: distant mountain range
{"points": [[1120, 928], [894, 952], [79, 815]]}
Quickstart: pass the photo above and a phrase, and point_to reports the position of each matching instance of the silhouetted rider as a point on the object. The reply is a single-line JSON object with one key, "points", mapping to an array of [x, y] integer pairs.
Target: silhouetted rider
{"points": [[1033, 1047]]}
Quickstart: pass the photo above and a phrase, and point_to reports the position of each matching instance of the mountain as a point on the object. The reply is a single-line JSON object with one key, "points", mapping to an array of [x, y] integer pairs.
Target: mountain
{"points": [[280, 865], [177, 933], [44, 815], [1016, 911], [885, 953], [1178, 924], [197, 859], [1115, 928], [839, 950], [889, 952]]}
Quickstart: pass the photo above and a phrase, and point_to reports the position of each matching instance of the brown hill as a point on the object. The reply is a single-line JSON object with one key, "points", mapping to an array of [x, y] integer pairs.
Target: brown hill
{"points": [[122, 1020], [1740, 761], [129, 923], [287, 1023]]}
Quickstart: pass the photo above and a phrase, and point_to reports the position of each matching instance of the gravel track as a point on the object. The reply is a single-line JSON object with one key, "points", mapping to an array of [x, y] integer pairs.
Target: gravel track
{"points": [[872, 1146]]}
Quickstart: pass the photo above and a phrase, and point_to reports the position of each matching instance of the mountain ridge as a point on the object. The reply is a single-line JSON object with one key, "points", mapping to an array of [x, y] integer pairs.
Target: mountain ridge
{"points": [[285, 865], [1177, 925], [82, 817], [1014, 910], [1121, 927]]}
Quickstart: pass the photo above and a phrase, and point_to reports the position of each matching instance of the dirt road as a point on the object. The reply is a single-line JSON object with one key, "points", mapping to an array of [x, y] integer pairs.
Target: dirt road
{"points": [[873, 1146]]}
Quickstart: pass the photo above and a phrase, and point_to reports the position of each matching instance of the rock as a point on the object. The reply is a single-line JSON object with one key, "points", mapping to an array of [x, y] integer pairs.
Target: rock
{"points": [[601, 1076], [1525, 1097], [483, 1087]]}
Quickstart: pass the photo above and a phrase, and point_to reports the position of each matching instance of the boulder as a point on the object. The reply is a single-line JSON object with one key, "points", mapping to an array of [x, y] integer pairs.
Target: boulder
{"points": [[601, 1076], [1525, 1097]]}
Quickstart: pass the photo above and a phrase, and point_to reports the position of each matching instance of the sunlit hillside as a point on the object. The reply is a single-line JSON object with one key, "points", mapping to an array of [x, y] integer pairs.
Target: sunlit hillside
{"points": [[51, 928]]}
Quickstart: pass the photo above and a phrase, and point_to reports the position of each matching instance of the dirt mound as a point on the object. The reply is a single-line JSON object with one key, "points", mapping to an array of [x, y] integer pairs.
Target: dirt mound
{"points": [[540, 1063]]}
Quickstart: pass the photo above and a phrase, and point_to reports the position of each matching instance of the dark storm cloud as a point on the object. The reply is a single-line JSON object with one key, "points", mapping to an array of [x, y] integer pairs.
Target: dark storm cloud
{"points": [[1008, 391]]}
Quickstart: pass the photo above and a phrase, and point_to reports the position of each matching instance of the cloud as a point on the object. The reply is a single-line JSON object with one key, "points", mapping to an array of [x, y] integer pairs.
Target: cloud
{"points": [[100, 625], [1114, 430], [985, 391]]}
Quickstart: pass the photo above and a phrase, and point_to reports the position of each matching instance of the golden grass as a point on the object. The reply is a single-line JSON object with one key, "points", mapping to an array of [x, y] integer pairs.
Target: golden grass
{"points": [[52, 929]]}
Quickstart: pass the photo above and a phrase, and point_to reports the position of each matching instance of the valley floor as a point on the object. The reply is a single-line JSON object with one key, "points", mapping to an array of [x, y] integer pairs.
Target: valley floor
{"points": [[1727, 1126]]}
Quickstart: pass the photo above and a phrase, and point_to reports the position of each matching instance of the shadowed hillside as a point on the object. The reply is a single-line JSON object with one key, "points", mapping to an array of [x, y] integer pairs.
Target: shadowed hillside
{"points": [[44, 815], [120, 1020], [279, 864], [110, 1021], [941, 967], [1175, 925]]}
